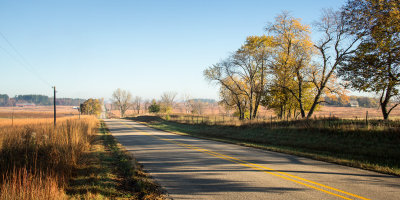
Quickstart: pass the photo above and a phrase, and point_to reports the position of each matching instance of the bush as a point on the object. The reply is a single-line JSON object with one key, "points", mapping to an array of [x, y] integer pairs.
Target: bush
{"points": [[154, 107]]}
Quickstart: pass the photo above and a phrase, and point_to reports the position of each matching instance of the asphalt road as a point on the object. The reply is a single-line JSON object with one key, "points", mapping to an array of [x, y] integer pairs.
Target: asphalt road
{"points": [[191, 168]]}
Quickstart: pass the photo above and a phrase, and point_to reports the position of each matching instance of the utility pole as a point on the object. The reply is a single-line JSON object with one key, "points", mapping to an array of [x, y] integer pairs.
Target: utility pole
{"points": [[55, 108]]}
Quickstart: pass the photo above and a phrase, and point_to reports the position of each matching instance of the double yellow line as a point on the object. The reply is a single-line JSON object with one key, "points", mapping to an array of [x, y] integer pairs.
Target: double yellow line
{"points": [[283, 175]]}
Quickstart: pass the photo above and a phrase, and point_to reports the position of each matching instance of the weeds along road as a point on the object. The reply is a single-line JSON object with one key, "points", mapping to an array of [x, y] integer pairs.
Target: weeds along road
{"points": [[191, 168]]}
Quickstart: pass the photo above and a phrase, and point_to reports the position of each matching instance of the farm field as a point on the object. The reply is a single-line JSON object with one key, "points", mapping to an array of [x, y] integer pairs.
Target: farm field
{"points": [[35, 115], [322, 112], [37, 112]]}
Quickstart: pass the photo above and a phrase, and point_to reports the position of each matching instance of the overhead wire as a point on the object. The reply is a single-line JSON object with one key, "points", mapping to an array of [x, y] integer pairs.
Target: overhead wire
{"points": [[22, 60]]}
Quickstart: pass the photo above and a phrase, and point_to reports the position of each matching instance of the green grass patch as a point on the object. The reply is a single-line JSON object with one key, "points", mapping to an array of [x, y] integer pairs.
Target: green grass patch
{"points": [[376, 150], [108, 171]]}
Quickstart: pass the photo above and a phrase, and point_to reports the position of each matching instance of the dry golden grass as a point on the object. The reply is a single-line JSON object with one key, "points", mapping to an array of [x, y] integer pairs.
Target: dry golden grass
{"points": [[37, 159], [355, 112], [24, 185], [28, 121], [36, 112]]}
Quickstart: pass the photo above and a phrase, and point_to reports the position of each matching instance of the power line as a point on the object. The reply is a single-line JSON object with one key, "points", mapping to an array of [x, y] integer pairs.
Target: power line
{"points": [[22, 60]]}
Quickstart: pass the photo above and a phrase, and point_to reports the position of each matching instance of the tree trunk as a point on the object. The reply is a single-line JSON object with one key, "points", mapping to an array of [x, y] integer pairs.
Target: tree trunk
{"points": [[255, 110], [314, 105], [303, 114], [385, 102], [384, 110]]}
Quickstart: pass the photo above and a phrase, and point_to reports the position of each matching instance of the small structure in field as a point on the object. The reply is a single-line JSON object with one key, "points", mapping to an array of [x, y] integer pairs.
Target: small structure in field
{"points": [[25, 105], [354, 103]]}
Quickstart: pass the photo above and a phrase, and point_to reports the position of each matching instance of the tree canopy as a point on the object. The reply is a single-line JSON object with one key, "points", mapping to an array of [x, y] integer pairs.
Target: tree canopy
{"points": [[375, 64], [91, 107]]}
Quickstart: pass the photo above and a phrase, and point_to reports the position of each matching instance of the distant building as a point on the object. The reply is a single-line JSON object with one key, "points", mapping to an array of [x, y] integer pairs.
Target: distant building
{"points": [[25, 104], [354, 103]]}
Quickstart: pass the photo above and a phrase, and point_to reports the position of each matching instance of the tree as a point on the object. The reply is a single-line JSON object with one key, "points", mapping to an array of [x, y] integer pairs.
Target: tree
{"points": [[167, 101], [197, 106], [187, 102], [242, 76], [122, 99], [91, 107], [252, 61], [146, 104], [375, 65], [4, 99], [291, 64], [154, 107], [231, 92], [336, 43], [137, 103]]}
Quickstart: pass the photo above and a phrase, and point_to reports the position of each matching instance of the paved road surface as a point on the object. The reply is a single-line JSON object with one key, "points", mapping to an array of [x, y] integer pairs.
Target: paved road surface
{"points": [[191, 168]]}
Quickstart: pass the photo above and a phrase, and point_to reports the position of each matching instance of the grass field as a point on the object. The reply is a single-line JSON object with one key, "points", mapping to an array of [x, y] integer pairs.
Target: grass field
{"points": [[37, 112], [346, 142]]}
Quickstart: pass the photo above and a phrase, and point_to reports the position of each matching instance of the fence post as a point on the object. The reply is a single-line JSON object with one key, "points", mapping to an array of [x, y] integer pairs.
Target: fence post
{"points": [[366, 119], [271, 122]]}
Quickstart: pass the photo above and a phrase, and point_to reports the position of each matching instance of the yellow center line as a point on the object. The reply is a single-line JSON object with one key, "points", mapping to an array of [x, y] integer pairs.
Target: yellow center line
{"points": [[258, 167]]}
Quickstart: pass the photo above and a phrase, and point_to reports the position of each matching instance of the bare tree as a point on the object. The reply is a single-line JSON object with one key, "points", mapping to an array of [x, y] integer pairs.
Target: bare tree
{"points": [[147, 103], [137, 103], [122, 99], [186, 102], [197, 106], [167, 101], [231, 92], [336, 44]]}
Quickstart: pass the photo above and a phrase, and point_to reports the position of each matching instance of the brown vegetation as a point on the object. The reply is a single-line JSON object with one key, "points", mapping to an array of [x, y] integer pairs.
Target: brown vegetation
{"points": [[37, 112], [37, 159]]}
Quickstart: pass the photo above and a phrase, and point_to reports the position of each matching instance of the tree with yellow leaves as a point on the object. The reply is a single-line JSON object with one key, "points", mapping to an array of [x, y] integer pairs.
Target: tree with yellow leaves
{"points": [[252, 60], [292, 62]]}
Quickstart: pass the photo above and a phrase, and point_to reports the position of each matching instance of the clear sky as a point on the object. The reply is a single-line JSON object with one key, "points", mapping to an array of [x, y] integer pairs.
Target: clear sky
{"points": [[89, 48]]}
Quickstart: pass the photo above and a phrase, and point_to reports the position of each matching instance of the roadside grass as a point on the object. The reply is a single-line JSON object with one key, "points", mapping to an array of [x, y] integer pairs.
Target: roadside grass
{"points": [[375, 149], [36, 159], [74, 160], [108, 171]]}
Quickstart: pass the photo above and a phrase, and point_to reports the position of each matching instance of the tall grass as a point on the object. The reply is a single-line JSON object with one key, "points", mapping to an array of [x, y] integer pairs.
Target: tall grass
{"points": [[37, 159], [329, 123], [21, 184]]}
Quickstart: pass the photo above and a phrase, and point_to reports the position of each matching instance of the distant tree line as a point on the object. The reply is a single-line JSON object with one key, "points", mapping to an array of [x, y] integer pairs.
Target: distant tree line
{"points": [[345, 101], [42, 100]]}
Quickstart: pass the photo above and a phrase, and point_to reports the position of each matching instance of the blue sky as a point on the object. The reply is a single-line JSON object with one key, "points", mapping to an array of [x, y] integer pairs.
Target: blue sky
{"points": [[89, 48]]}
